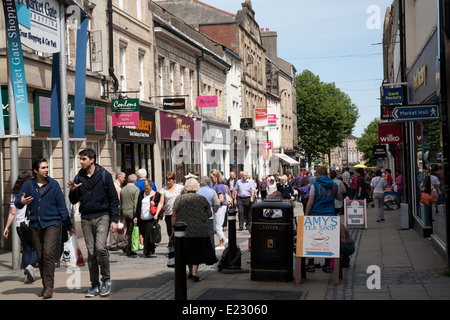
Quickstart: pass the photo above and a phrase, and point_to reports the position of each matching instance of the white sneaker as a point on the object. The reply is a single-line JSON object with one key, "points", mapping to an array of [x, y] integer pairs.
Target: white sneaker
{"points": [[29, 271], [220, 247]]}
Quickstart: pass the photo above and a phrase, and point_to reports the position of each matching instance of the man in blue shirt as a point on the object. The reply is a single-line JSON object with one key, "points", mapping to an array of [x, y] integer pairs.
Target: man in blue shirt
{"points": [[206, 191], [243, 195]]}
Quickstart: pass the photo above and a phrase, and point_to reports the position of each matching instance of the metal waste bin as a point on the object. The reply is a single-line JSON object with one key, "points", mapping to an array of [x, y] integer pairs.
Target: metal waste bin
{"points": [[272, 241]]}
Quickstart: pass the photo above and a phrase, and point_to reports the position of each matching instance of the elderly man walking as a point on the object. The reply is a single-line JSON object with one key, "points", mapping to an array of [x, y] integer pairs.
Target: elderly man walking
{"points": [[128, 201], [243, 195]]}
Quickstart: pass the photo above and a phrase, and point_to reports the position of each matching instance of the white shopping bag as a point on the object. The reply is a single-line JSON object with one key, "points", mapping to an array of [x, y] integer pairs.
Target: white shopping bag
{"points": [[72, 254]]}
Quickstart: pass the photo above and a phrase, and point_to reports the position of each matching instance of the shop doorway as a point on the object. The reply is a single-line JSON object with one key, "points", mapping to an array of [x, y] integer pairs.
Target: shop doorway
{"points": [[134, 156]]}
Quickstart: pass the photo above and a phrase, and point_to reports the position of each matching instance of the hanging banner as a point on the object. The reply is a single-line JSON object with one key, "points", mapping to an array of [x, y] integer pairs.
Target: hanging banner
{"points": [[55, 113], [39, 24], [17, 67], [390, 133], [80, 80], [125, 112], [261, 118]]}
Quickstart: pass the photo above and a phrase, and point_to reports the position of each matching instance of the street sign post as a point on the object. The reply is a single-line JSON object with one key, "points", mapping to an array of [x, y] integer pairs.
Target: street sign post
{"points": [[409, 113]]}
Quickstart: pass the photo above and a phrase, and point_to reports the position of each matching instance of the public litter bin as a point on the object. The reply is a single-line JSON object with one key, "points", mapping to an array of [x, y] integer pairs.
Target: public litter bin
{"points": [[272, 241]]}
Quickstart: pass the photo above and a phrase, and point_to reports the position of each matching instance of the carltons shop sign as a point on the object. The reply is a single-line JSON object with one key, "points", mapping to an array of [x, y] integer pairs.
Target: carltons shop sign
{"points": [[39, 24]]}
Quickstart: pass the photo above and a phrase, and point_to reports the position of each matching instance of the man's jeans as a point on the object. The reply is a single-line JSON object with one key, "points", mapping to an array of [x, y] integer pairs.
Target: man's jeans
{"points": [[95, 236]]}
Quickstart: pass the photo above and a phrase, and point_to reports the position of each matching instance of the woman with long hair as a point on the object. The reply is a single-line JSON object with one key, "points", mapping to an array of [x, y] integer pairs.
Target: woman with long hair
{"points": [[18, 216]]}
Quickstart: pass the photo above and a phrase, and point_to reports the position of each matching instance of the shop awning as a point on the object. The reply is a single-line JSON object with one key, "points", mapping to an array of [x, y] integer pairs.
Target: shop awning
{"points": [[286, 158]]}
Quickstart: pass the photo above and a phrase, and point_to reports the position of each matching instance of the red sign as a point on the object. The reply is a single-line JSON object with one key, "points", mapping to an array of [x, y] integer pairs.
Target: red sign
{"points": [[390, 133], [260, 117], [272, 120]]}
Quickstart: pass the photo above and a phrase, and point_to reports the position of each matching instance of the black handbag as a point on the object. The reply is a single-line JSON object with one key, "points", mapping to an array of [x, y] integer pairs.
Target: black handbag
{"points": [[25, 232], [155, 233]]}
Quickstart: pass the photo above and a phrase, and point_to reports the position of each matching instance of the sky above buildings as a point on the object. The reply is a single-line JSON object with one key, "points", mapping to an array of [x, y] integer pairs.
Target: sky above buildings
{"points": [[338, 40]]}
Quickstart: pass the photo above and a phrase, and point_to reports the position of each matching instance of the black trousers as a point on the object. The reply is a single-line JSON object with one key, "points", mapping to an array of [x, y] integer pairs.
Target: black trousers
{"points": [[244, 210]]}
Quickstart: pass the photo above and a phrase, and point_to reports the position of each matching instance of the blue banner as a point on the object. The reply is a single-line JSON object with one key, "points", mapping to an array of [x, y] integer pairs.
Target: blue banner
{"points": [[80, 80], [17, 67], [55, 105]]}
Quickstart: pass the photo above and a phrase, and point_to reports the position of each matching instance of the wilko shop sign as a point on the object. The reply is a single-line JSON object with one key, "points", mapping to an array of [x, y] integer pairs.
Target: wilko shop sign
{"points": [[390, 133]]}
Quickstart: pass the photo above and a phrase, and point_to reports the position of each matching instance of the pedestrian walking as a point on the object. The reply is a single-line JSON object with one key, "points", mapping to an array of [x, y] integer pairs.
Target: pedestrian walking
{"points": [[263, 188], [271, 186], [194, 210], [21, 221], [361, 191], [305, 187], [146, 212], [377, 185], [243, 195], [168, 195], [46, 213], [338, 204], [297, 186], [93, 188], [128, 203], [213, 200], [116, 239], [286, 190], [219, 215], [322, 195]]}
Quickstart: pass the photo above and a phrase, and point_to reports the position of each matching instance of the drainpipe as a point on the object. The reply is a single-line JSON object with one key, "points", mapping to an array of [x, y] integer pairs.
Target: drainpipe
{"points": [[111, 47]]}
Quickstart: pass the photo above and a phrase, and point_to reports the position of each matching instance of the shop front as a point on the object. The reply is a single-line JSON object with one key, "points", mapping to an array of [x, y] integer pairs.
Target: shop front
{"points": [[216, 148], [43, 146], [181, 145], [423, 89], [135, 145]]}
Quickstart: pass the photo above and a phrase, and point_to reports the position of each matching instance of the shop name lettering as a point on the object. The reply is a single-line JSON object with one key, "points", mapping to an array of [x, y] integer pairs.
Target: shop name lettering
{"points": [[182, 128], [319, 223], [15, 59], [40, 7], [125, 104], [394, 96], [144, 125]]}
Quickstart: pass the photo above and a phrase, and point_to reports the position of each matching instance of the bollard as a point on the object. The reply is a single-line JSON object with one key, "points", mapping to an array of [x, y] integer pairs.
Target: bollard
{"points": [[232, 243], [233, 258], [180, 261]]}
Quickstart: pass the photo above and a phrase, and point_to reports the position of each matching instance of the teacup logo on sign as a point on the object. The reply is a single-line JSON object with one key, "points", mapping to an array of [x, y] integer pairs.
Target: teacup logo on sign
{"points": [[39, 24]]}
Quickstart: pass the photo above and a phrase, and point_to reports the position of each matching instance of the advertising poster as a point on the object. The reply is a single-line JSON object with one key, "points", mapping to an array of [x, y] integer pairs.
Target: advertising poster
{"points": [[125, 112], [355, 213], [318, 236]]}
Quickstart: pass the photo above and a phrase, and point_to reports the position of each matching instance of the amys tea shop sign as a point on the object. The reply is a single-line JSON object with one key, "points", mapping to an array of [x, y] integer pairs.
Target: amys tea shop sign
{"points": [[318, 236]]}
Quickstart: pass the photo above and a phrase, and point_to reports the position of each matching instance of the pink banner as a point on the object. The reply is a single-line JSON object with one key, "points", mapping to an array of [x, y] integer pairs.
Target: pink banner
{"points": [[125, 119], [206, 101]]}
